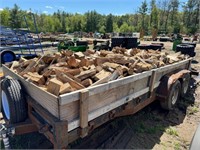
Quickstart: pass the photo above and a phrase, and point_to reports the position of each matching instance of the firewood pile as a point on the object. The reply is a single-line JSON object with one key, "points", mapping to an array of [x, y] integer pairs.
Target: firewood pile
{"points": [[68, 71]]}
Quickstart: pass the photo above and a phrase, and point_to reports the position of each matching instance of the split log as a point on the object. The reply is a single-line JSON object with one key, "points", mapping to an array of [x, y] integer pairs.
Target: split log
{"points": [[73, 62], [69, 75], [65, 88], [64, 78], [86, 74], [14, 65], [87, 82], [79, 55], [67, 53], [110, 65], [100, 60], [54, 86], [86, 62], [102, 74], [66, 70], [35, 77]]}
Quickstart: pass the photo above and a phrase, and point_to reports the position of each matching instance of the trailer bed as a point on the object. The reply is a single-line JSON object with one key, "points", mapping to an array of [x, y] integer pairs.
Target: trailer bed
{"points": [[95, 101]]}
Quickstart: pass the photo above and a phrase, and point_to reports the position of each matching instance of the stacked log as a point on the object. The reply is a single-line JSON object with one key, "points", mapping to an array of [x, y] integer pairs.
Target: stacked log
{"points": [[68, 71]]}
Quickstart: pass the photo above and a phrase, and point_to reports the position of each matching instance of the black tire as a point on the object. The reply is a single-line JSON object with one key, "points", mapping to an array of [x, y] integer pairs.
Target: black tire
{"points": [[172, 97], [185, 84], [13, 103], [143, 46], [7, 56], [185, 49], [70, 43]]}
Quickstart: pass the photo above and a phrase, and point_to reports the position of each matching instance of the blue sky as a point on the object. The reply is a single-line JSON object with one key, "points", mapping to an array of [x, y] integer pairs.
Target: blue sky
{"points": [[116, 7]]}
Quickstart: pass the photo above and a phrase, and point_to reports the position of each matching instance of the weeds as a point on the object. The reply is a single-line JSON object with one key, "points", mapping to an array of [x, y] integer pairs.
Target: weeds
{"points": [[177, 146], [192, 110], [172, 131]]}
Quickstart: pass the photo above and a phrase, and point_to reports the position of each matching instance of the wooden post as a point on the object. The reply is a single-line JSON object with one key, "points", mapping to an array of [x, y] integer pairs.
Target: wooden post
{"points": [[152, 81], [84, 113]]}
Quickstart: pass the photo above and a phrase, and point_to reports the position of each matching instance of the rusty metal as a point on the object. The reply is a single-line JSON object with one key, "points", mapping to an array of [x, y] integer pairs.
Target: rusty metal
{"points": [[174, 77], [167, 81], [25, 128], [131, 108]]}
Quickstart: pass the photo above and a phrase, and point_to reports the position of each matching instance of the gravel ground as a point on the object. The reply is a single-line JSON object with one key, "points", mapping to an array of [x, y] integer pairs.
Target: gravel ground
{"points": [[150, 128]]}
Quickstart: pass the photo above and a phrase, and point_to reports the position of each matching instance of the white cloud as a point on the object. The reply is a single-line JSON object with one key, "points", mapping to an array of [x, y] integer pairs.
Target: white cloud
{"points": [[48, 7], [45, 12], [1, 9]]}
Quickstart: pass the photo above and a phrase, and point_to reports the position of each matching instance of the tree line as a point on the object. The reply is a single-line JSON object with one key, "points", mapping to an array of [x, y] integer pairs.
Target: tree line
{"points": [[161, 16]]}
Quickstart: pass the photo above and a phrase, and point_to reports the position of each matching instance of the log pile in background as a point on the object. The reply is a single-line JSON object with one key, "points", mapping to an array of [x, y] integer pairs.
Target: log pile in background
{"points": [[67, 71]]}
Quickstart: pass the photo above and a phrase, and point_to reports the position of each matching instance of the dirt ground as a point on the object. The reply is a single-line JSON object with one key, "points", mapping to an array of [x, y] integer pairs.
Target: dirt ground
{"points": [[150, 128]]}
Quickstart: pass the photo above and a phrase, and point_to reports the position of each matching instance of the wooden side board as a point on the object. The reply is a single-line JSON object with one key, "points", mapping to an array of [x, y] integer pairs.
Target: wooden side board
{"points": [[45, 99], [74, 96], [160, 72], [70, 111]]}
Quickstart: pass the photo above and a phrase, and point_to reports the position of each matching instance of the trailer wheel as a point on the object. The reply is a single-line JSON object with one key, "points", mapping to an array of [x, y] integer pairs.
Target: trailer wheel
{"points": [[185, 84], [13, 103], [172, 97], [7, 56]]}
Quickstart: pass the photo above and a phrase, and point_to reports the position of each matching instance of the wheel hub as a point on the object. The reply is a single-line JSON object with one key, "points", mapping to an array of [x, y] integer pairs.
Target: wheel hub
{"points": [[5, 105]]}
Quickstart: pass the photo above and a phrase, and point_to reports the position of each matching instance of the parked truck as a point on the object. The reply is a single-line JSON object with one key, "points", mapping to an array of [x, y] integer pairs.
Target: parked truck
{"points": [[65, 118]]}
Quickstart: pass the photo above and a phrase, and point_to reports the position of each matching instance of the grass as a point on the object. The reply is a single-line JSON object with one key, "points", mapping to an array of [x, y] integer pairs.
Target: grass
{"points": [[192, 110], [172, 131], [177, 146]]}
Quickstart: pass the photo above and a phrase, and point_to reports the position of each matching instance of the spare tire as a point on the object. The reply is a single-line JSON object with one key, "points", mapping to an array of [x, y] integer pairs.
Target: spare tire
{"points": [[13, 103], [185, 49], [7, 56], [143, 46]]}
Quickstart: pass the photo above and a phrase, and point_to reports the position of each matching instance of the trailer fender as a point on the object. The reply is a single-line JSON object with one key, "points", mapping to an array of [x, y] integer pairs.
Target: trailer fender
{"points": [[167, 81]]}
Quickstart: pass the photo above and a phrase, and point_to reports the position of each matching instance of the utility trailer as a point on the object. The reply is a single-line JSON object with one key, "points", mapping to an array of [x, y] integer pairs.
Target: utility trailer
{"points": [[66, 118]]}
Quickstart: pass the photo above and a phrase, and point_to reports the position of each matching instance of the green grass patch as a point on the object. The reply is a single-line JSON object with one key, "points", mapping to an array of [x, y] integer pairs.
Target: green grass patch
{"points": [[172, 131], [192, 110]]}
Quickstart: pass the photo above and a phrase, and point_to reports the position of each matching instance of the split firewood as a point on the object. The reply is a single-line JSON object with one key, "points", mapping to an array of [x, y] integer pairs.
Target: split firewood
{"points": [[86, 62], [79, 55], [102, 74], [65, 88], [48, 58], [68, 74], [106, 77], [14, 65], [104, 53], [61, 64], [73, 62], [54, 86], [86, 74], [67, 53], [110, 65], [35, 77], [87, 82], [64, 78], [66, 70], [100, 60], [99, 68]]}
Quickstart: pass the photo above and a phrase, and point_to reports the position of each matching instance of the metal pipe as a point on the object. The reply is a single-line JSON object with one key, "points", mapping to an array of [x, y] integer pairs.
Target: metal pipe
{"points": [[37, 32]]}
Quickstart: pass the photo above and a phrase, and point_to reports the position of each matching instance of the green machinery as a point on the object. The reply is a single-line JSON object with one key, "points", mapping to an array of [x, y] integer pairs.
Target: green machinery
{"points": [[75, 45]]}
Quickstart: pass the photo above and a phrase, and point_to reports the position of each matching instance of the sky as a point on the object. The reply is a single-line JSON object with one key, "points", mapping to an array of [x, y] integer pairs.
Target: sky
{"points": [[115, 7]]}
